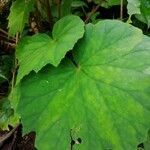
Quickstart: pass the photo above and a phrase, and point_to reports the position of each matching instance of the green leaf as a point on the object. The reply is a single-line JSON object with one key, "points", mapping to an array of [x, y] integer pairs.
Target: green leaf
{"points": [[35, 52], [145, 145], [105, 100], [108, 3], [79, 3], [7, 115], [133, 7], [19, 14], [145, 10], [66, 7], [141, 8], [2, 78]]}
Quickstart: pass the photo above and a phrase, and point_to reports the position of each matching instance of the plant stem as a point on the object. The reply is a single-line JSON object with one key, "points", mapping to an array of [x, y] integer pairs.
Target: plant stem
{"points": [[59, 8], [4, 32], [121, 9], [91, 13], [48, 9], [41, 2], [83, 10], [15, 65]]}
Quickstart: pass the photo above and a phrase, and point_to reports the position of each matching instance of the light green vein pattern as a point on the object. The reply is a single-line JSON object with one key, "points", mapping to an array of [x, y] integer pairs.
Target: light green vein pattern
{"points": [[39, 50], [106, 100]]}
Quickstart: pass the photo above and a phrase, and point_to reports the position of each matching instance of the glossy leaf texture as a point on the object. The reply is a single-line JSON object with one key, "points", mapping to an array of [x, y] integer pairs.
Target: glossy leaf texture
{"points": [[105, 101], [35, 52], [19, 14]]}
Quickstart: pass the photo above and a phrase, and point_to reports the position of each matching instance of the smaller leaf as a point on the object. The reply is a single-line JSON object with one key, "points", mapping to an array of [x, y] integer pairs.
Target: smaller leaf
{"points": [[141, 10], [2, 78], [35, 52], [7, 115], [79, 3], [19, 14], [145, 10], [108, 3], [133, 7]]}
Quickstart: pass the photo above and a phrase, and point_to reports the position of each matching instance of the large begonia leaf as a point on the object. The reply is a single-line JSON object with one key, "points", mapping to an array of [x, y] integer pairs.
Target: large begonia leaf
{"points": [[36, 51], [105, 101], [19, 14]]}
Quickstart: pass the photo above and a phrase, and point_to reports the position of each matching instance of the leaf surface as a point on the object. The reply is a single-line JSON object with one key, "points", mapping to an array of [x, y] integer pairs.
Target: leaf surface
{"points": [[35, 52], [19, 14], [108, 3], [141, 8], [147, 143], [145, 10], [133, 7], [105, 100]]}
